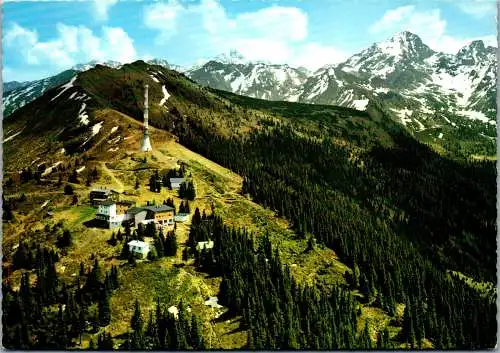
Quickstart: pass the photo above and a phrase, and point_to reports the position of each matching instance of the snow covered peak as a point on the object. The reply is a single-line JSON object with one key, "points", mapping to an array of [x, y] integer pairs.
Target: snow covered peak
{"points": [[405, 44], [166, 64], [233, 57], [476, 53], [406, 36], [161, 62], [93, 63]]}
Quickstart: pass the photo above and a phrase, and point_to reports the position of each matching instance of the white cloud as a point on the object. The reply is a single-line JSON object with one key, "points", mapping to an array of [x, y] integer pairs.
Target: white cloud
{"points": [[314, 56], [71, 45], [163, 17], [391, 17], [102, 7], [276, 34], [118, 45], [428, 24], [477, 8]]}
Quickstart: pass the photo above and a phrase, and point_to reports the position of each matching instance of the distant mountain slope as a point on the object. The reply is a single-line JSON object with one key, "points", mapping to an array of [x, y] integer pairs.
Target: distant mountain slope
{"points": [[66, 117], [9, 86], [16, 95], [28, 92], [402, 71], [447, 101]]}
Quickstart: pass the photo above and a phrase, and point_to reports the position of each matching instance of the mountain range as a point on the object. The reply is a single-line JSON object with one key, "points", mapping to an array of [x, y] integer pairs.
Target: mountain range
{"points": [[446, 100], [351, 205]]}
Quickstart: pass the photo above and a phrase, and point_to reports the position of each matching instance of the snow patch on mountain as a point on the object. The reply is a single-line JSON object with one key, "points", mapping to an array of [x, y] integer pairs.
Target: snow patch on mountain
{"points": [[474, 115], [82, 115], [404, 115], [12, 136], [422, 126], [65, 87], [96, 128], [320, 87], [49, 169], [166, 95], [360, 104], [237, 84]]}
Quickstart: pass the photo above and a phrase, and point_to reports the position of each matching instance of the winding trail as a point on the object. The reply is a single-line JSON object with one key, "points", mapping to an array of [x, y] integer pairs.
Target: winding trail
{"points": [[105, 169]]}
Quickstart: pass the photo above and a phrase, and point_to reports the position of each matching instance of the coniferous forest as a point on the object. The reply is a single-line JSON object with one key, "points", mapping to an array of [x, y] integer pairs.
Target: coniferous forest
{"points": [[405, 217]]}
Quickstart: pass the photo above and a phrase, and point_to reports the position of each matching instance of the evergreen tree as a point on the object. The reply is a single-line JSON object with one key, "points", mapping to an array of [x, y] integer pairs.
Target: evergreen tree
{"points": [[113, 241], [152, 254], [158, 245], [104, 309], [125, 251], [68, 190], [131, 259], [171, 245], [136, 322], [119, 235]]}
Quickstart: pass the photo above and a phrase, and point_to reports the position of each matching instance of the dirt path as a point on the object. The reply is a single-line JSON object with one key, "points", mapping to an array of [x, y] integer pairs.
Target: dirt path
{"points": [[110, 173]]}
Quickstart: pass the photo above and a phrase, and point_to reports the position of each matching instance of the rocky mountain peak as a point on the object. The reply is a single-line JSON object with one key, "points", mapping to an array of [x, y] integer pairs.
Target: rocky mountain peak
{"points": [[405, 45], [233, 57], [474, 53]]}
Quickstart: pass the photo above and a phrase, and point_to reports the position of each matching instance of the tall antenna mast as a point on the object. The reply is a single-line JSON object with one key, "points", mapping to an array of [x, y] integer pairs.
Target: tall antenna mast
{"points": [[146, 144]]}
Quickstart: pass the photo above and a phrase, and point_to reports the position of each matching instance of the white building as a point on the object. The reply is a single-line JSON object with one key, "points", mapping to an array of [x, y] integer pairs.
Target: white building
{"points": [[107, 211], [176, 183], [138, 247], [204, 245]]}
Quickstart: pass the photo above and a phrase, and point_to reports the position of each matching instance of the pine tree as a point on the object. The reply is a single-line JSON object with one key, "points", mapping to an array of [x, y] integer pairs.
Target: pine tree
{"points": [[82, 269], [185, 254], [68, 190], [113, 241], [81, 324], [128, 231], [131, 259], [125, 253], [158, 245], [152, 254], [136, 322], [119, 235], [196, 336], [171, 245], [104, 309]]}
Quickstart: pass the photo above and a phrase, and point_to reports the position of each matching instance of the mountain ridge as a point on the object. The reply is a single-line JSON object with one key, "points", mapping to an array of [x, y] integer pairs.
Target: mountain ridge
{"points": [[435, 95]]}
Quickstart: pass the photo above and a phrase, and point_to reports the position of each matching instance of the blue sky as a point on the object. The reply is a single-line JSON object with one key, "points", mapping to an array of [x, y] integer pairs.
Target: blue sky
{"points": [[41, 38]]}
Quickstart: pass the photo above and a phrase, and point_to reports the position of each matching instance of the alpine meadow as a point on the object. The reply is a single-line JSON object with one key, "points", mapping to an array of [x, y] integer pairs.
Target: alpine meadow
{"points": [[221, 175]]}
